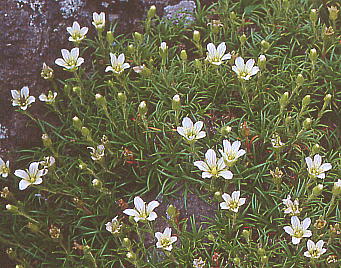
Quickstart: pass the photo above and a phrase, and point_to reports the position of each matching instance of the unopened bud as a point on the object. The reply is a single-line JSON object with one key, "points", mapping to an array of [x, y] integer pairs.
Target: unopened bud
{"points": [[333, 13], [225, 130], [210, 237], [197, 64], [337, 188], [33, 227], [130, 49], [131, 256], [82, 165], [138, 37], [218, 196], [313, 55], [46, 72], [122, 98], [172, 212], [327, 99], [316, 149], [85, 132], [47, 142], [265, 45], [142, 108], [261, 251], [126, 242], [12, 208], [305, 101], [288, 120], [284, 100], [77, 90], [176, 103], [233, 16], [100, 100], [77, 123], [97, 183], [196, 36], [151, 12], [261, 62], [183, 55], [236, 261], [313, 16], [246, 235], [242, 39], [264, 260], [110, 37], [307, 123], [299, 80], [317, 190]]}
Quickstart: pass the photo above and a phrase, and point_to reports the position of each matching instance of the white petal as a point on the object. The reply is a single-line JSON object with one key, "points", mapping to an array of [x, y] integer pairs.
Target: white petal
{"points": [[309, 162], [307, 233], [131, 212], [139, 204], [38, 181], [320, 244], [152, 216], [201, 165], [201, 135], [198, 126], [65, 54], [120, 59], [187, 123], [23, 184], [21, 174], [241, 153], [226, 56], [152, 205], [84, 31], [223, 205], [288, 230], [321, 176], [235, 195], [295, 221], [242, 201], [227, 146], [254, 70], [158, 235], [60, 62], [211, 49], [80, 61], [226, 174], [25, 92], [306, 222], [249, 64], [15, 94], [236, 146], [296, 240], [206, 175], [181, 131], [33, 168], [307, 254], [109, 68], [125, 65], [235, 69], [30, 100], [239, 62], [211, 158], [75, 53], [167, 232], [326, 167], [317, 160], [227, 198], [113, 59], [221, 49]]}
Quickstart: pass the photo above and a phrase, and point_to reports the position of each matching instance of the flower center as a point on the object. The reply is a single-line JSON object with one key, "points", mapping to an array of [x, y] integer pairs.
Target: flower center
{"points": [[298, 233], [214, 171], [314, 253], [233, 204], [165, 242]]}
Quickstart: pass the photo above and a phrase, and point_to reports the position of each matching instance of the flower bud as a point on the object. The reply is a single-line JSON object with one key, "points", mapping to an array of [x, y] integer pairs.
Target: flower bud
{"points": [[142, 109], [316, 149], [172, 212], [337, 188], [327, 99], [122, 98], [284, 100], [246, 235], [176, 103], [317, 190], [320, 223], [225, 130], [183, 55], [33, 227], [196, 36], [85, 132], [313, 16], [67, 89], [5, 193], [333, 13], [261, 62], [46, 72], [299, 80], [47, 142], [305, 101], [264, 260], [77, 90], [100, 100], [261, 251], [197, 64], [233, 16], [77, 123], [82, 165], [151, 12], [242, 39], [97, 183], [307, 123], [210, 237], [131, 256], [236, 261], [313, 55], [130, 49], [265, 45], [288, 120], [138, 37], [126, 242], [110, 37], [12, 208], [217, 196]]}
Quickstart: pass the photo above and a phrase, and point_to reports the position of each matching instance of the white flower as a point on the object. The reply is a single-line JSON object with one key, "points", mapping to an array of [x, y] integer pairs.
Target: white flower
{"points": [[163, 46], [49, 98], [336, 188], [298, 230], [191, 132], [71, 60], [98, 20], [314, 250], [139, 69], [217, 55], [141, 211], [291, 207], [113, 226], [232, 203], [231, 153], [77, 33], [212, 167], [48, 161], [32, 175], [165, 239], [276, 142], [4, 168], [97, 153], [22, 98], [117, 64], [315, 169], [199, 263], [245, 71], [46, 72]]}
